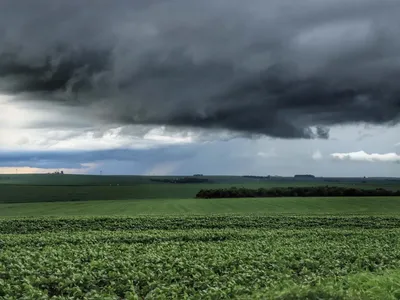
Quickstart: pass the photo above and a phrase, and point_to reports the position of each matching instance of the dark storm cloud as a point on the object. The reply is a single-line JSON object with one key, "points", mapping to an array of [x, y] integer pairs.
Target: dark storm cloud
{"points": [[272, 67]]}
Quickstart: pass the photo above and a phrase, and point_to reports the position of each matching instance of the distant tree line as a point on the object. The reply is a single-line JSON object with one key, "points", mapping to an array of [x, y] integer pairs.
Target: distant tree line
{"points": [[56, 173], [304, 176], [257, 177], [181, 180], [320, 191]]}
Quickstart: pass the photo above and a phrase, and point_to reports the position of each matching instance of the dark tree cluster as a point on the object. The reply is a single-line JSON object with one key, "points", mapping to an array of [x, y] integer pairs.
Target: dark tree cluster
{"points": [[181, 180], [304, 176], [321, 191], [257, 177]]}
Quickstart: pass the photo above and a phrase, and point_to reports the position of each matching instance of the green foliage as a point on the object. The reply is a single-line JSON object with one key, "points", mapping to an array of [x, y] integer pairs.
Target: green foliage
{"points": [[36, 225], [311, 191], [215, 257]]}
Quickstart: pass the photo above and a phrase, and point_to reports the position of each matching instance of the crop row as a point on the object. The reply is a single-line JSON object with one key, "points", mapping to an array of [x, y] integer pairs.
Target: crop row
{"points": [[32, 225], [194, 264], [41, 240]]}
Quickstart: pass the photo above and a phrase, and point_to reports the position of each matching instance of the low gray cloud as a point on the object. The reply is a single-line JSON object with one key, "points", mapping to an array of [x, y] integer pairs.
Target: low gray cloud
{"points": [[258, 67]]}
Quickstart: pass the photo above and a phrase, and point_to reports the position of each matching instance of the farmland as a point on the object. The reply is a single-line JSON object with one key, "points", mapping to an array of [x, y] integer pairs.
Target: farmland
{"points": [[190, 206], [219, 257], [51, 188], [156, 241]]}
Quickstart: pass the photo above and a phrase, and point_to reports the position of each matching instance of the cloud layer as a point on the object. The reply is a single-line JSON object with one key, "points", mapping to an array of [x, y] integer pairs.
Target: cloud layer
{"points": [[260, 67], [366, 157]]}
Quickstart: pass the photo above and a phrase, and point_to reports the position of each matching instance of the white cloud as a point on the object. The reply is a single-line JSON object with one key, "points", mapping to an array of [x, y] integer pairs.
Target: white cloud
{"points": [[158, 134], [363, 156], [317, 155], [19, 131], [114, 138], [268, 154]]}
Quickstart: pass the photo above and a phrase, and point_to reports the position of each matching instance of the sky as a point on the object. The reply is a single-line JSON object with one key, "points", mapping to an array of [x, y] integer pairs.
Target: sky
{"points": [[162, 87]]}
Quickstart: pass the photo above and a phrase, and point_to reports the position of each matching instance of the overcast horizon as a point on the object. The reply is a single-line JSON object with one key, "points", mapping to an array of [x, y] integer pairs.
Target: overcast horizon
{"points": [[215, 87]]}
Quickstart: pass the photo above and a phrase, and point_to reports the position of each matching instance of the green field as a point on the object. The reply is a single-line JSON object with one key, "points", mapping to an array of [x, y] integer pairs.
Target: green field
{"points": [[104, 180], [141, 240], [266, 206], [53, 188], [218, 257]]}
